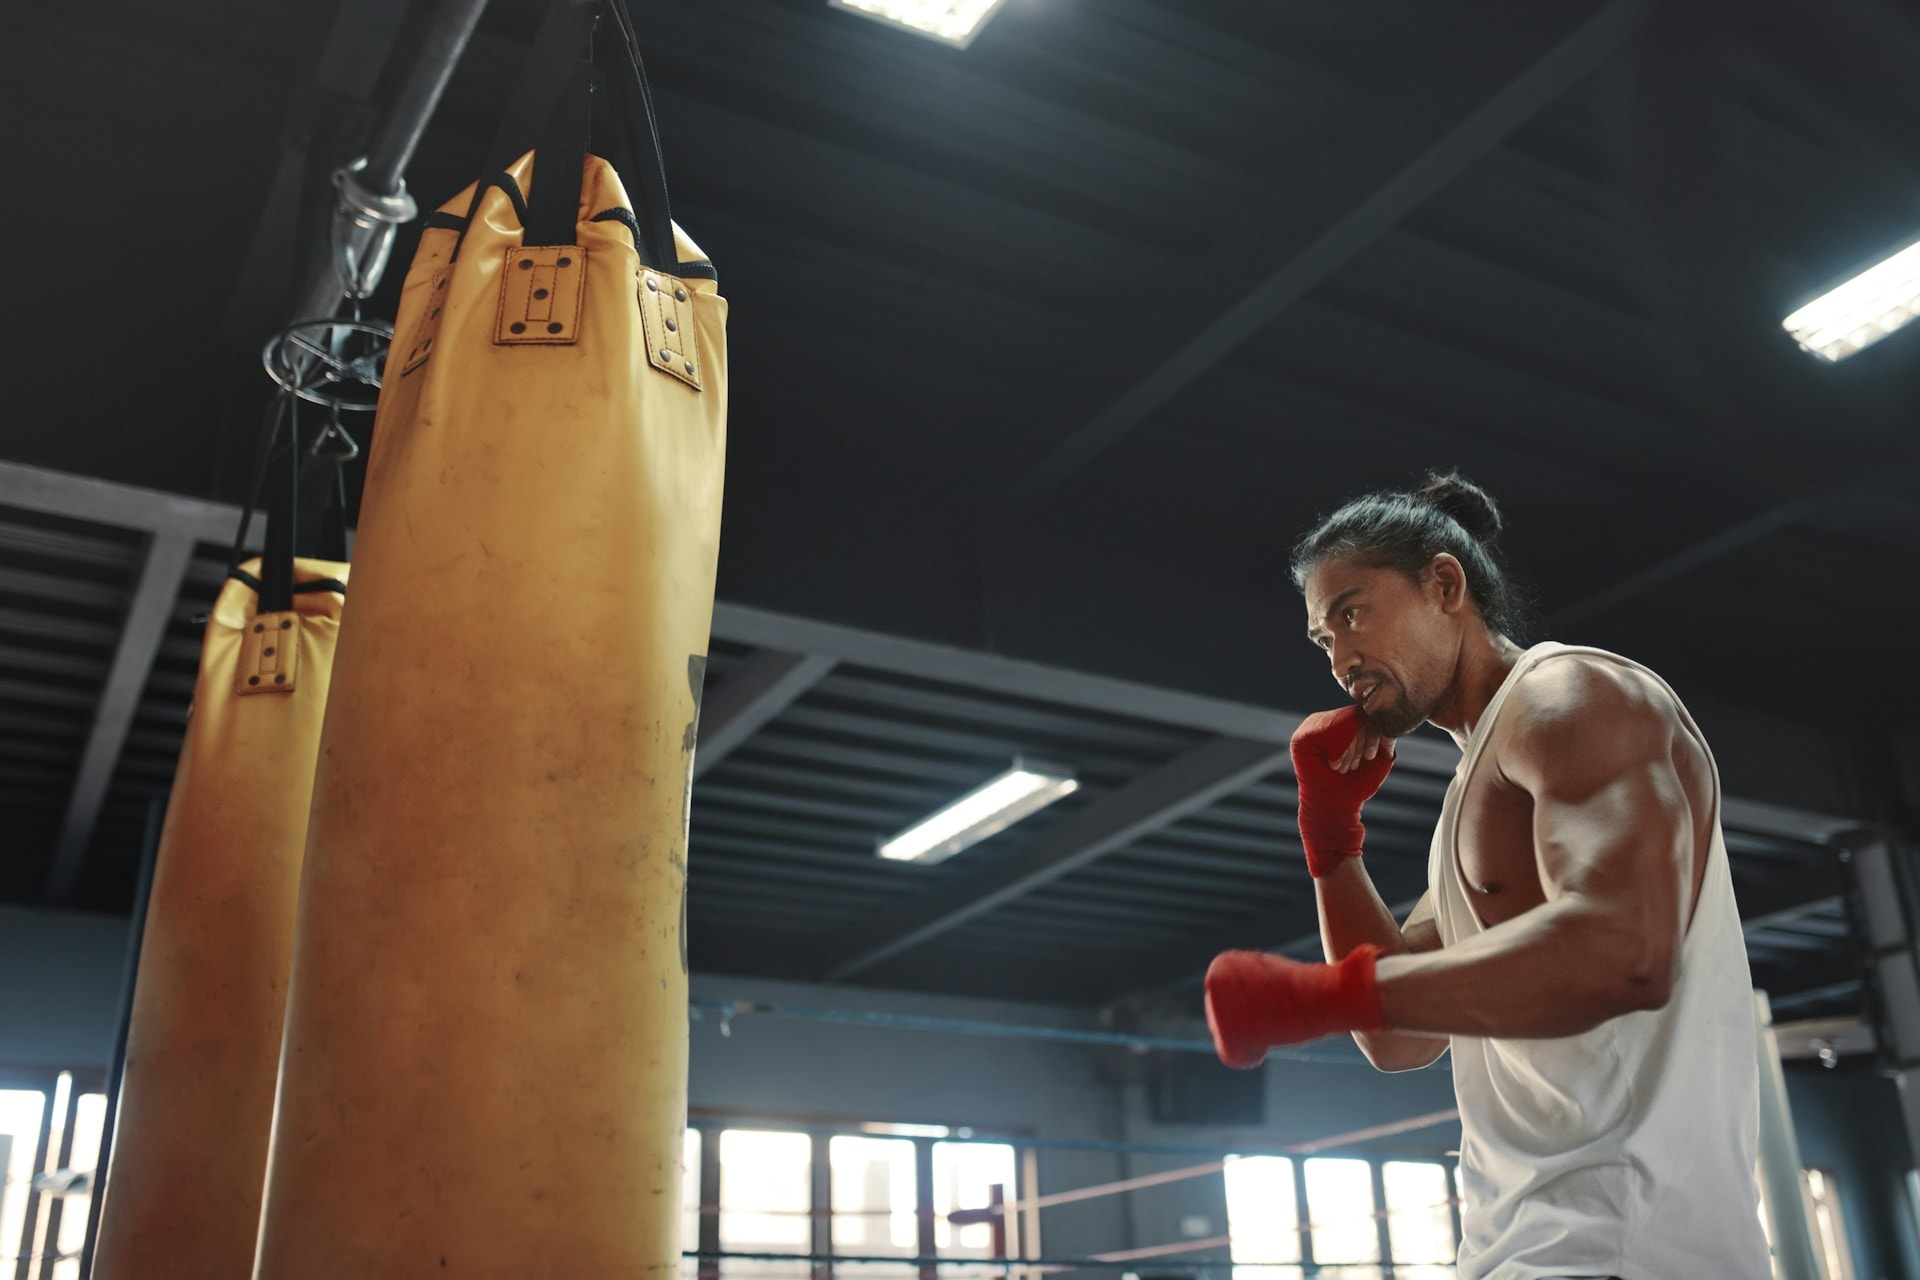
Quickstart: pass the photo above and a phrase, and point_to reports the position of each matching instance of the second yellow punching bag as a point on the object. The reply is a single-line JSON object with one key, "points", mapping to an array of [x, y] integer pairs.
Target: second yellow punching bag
{"points": [[484, 1073], [190, 1145]]}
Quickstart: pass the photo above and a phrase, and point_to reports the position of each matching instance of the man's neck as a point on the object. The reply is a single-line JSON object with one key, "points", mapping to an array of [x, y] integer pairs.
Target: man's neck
{"points": [[1486, 659]]}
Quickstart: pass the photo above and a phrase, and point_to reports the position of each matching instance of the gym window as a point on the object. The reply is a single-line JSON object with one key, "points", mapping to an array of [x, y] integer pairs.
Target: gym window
{"points": [[968, 1175], [766, 1202], [689, 1200], [854, 1191], [1420, 1219], [48, 1122], [1363, 1220], [873, 1190], [1263, 1218]]}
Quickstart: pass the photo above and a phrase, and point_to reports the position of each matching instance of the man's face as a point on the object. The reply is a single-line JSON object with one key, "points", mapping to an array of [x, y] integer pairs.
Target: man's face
{"points": [[1391, 640]]}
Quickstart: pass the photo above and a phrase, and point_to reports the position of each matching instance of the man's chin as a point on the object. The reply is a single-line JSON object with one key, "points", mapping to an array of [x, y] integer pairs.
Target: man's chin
{"points": [[1391, 722]]}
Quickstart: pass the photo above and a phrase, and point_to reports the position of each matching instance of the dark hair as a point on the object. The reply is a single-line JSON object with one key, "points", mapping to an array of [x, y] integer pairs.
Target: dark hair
{"points": [[1406, 530]]}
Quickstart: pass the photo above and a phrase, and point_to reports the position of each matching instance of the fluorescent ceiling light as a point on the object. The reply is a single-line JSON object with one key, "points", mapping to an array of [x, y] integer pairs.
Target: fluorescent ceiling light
{"points": [[956, 22], [985, 811], [1862, 311]]}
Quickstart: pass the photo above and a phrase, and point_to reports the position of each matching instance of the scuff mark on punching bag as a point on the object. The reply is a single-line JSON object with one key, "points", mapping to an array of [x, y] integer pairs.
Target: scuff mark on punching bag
{"points": [[697, 682]]}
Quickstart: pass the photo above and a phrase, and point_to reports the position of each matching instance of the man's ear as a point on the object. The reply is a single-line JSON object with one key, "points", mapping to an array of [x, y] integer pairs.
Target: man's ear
{"points": [[1448, 581]]}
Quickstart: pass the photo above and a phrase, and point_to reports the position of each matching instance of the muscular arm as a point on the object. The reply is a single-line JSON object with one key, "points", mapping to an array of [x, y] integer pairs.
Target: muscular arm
{"points": [[1613, 837], [1351, 915]]}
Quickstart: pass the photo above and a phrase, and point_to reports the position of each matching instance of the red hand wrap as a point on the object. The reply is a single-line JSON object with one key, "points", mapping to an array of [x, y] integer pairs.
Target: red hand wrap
{"points": [[1330, 802], [1256, 1001]]}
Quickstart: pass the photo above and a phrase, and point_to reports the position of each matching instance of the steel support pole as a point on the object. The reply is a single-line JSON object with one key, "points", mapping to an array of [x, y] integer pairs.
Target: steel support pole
{"points": [[1780, 1179]]}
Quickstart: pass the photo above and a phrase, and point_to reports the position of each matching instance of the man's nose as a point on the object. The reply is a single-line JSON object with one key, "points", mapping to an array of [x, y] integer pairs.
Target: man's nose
{"points": [[1345, 663]]}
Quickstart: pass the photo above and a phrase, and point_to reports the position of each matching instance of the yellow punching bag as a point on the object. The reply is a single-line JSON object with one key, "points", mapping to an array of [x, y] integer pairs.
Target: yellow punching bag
{"points": [[190, 1145], [486, 1052]]}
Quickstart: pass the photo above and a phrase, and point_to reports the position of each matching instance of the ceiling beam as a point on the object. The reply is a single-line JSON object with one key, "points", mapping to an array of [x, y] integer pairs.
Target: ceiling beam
{"points": [[102, 501], [121, 506], [1190, 782], [1505, 66], [1692, 559], [1842, 989], [749, 698], [1013, 677], [165, 569]]}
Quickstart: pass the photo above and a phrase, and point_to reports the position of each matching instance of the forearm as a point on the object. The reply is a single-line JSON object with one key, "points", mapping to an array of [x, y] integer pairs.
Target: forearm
{"points": [[1559, 970], [1352, 915]]}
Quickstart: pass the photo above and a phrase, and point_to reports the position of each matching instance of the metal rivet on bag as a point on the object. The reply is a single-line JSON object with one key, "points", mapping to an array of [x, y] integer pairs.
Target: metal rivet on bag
{"points": [[267, 652], [564, 262], [680, 295], [286, 624], [253, 679], [435, 315], [672, 327], [258, 627], [539, 293], [555, 327], [517, 327], [526, 264], [666, 355], [279, 679], [689, 366], [652, 287]]}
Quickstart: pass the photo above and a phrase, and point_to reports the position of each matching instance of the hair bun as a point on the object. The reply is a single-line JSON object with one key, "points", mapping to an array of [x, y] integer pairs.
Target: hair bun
{"points": [[1455, 495]]}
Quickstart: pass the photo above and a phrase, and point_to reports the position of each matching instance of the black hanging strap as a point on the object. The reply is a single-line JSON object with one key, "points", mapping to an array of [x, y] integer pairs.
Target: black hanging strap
{"points": [[559, 160], [636, 152], [276, 486], [551, 112], [321, 521], [544, 80], [283, 504]]}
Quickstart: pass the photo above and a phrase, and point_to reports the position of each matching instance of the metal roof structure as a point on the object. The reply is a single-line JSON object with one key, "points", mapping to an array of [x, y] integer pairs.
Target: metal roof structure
{"points": [[818, 740], [1043, 352]]}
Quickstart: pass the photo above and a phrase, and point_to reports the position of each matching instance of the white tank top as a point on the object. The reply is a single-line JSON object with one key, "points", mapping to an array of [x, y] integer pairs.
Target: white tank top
{"points": [[1630, 1150]]}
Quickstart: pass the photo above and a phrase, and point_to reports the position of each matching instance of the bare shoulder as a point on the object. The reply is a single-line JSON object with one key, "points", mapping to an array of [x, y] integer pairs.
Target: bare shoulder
{"points": [[1578, 717]]}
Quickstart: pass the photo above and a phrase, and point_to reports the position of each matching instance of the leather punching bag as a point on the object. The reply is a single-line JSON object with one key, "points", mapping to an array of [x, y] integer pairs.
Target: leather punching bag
{"points": [[190, 1145], [486, 1050]]}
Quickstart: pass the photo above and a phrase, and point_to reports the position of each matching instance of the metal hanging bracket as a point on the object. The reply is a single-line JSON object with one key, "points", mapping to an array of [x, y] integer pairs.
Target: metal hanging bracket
{"points": [[365, 223]]}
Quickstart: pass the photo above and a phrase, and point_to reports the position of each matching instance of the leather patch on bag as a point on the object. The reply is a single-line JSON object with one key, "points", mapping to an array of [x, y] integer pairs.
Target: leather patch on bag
{"points": [[666, 314], [541, 293], [269, 655], [427, 327]]}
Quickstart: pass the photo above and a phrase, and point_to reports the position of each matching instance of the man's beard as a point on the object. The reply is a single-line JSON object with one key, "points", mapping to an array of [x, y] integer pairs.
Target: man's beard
{"points": [[1399, 717]]}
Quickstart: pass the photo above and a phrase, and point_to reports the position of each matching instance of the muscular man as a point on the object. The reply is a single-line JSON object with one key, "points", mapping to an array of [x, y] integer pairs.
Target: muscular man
{"points": [[1578, 947]]}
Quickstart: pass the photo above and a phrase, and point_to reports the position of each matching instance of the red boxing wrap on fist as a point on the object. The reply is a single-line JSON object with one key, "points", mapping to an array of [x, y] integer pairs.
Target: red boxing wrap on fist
{"points": [[1257, 1001], [1330, 802]]}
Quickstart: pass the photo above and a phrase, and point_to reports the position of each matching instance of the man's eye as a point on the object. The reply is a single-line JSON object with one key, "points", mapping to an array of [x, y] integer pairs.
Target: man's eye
{"points": [[1348, 615]]}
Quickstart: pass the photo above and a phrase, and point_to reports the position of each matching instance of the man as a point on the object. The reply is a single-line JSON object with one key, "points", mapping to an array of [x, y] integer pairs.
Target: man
{"points": [[1578, 946]]}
